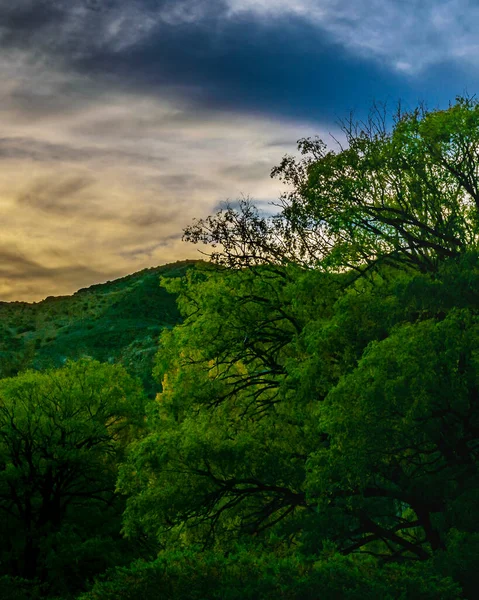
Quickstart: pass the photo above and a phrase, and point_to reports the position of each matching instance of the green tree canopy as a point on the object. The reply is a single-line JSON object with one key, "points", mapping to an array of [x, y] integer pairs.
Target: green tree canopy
{"points": [[62, 433], [408, 197], [320, 398]]}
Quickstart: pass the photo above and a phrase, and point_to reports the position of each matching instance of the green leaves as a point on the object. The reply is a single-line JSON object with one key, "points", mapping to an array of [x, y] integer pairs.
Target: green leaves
{"points": [[406, 197], [301, 408], [403, 431], [248, 574], [317, 429], [62, 434], [320, 401]]}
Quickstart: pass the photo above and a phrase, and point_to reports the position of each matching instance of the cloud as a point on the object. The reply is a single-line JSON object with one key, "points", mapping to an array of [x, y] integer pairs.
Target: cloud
{"points": [[250, 171], [122, 120], [18, 148], [180, 41], [106, 189], [21, 276], [199, 52], [14, 265], [59, 195], [407, 35], [81, 28], [303, 59], [80, 198]]}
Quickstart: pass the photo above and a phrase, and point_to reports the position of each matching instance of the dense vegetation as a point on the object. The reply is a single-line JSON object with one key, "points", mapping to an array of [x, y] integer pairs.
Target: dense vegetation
{"points": [[316, 430], [118, 321]]}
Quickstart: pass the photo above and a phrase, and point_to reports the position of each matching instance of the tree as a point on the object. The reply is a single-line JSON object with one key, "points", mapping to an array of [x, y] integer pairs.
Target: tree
{"points": [[15, 354], [406, 197], [62, 433], [216, 420], [321, 394], [269, 433], [401, 468], [250, 573]]}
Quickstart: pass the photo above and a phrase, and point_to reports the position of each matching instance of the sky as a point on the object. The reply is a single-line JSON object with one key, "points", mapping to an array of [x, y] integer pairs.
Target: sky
{"points": [[123, 120]]}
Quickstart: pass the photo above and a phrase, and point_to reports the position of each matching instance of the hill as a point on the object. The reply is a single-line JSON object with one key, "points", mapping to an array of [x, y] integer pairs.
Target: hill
{"points": [[118, 321]]}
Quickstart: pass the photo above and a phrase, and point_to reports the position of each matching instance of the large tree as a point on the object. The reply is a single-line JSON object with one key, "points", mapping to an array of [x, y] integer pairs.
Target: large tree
{"points": [[321, 394], [405, 196]]}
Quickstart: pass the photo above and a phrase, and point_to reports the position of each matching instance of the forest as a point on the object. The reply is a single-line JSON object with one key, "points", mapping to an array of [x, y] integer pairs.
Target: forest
{"points": [[296, 418]]}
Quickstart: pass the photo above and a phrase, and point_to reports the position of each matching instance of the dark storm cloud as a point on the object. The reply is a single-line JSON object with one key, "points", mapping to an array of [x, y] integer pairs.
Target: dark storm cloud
{"points": [[282, 66], [285, 68], [23, 19], [80, 28]]}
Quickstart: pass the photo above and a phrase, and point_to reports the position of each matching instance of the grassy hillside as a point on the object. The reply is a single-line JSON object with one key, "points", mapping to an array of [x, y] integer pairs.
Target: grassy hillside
{"points": [[118, 321]]}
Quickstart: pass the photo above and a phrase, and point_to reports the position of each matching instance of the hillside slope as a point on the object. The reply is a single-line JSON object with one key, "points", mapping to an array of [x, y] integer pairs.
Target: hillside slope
{"points": [[118, 321]]}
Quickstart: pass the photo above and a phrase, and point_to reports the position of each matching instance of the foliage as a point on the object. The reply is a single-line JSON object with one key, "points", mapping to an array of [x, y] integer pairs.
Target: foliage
{"points": [[62, 434], [116, 322], [323, 386], [316, 430], [407, 197], [274, 382], [192, 575]]}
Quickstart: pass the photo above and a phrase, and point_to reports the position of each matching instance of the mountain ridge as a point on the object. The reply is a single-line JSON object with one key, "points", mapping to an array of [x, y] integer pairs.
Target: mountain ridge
{"points": [[115, 321]]}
